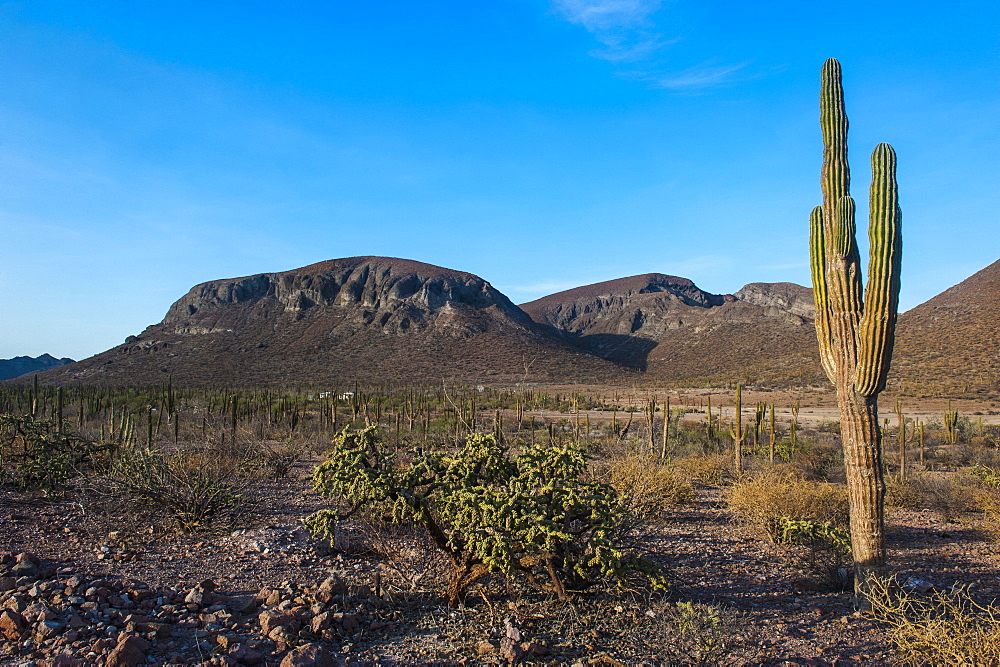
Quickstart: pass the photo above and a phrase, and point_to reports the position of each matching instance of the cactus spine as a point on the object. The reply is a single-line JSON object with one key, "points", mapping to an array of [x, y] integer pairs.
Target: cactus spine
{"points": [[856, 333]]}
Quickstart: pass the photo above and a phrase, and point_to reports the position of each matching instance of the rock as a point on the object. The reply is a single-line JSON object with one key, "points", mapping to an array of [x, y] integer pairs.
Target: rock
{"points": [[333, 585], [283, 635], [12, 625], [162, 630], [130, 651], [242, 604], [66, 660], [486, 648], [534, 649], [28, 557], [7, 584], [309, 654], [25, 569], [273, 621], [47, 629], [918, 586], [245, 655], [512, 632], [198, 597], [510, 650], [321, 622], [349, 622]]}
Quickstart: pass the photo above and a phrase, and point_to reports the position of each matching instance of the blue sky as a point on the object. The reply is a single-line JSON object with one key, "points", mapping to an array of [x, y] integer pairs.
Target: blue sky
{"points": [[541, 144]]}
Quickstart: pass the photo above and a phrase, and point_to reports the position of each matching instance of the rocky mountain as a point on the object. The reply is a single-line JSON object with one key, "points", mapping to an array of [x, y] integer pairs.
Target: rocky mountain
{"points": [[18, 366], [384, 319], [951, 344], [366, 318], [670, 328]]}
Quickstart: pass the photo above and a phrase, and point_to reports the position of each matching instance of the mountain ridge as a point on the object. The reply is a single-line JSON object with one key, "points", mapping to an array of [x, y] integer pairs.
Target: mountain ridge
{"points": [[25, 365], [389, 319]]}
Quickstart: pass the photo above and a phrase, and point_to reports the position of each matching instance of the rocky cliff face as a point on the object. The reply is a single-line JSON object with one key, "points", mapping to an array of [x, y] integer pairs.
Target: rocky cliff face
{"points": [[391, 295], [671, 328]]}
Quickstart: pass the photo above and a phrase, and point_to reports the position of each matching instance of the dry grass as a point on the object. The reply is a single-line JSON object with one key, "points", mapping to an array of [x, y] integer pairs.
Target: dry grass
{"points": [[647, 489], [943, 628], [766, 501], [950, 497], [708, 469]]}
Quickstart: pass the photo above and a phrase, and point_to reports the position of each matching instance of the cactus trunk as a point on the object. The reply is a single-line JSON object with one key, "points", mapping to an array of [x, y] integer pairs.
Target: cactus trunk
{"points": [[856, 334]]}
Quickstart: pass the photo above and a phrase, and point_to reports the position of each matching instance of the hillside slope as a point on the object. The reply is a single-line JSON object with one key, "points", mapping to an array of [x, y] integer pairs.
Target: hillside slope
{"points": [[951, 343]]}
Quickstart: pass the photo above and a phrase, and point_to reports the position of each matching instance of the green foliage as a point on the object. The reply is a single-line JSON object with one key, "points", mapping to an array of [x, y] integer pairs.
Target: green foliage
{"points": [[485, 508], [37, 455], [987, 476], [699, 633], [818, 536]]}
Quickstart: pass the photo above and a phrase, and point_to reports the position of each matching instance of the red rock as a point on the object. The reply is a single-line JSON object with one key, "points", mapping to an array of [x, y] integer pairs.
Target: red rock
{"points": [[270, 621], [309, 654], [131, 651], [12, 625]]}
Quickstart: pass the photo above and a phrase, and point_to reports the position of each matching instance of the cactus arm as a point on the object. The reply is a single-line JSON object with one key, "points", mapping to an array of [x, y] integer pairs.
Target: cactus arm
{"points": [[817, 261], [842, 262], [836, 173], [878, 324]]}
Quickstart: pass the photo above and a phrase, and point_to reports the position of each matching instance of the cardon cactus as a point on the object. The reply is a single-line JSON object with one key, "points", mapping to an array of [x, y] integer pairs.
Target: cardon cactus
{"points": [[856, 333]]}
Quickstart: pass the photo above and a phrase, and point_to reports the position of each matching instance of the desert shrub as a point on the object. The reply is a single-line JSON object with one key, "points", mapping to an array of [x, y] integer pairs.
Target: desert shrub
{"points": [[949, 497], [987, 499], [35, 455], [977, 451], [823, 548], [943, 628], [987, 476], [820, 462], [766, 502], [699, 636], [192, 486], [902, 494], [707, 469], [279, 459], [485, 509], [646, 489]]}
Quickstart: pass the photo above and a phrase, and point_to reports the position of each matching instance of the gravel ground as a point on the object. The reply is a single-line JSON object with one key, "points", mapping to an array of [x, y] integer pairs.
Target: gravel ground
{"points": [[101, 576]]}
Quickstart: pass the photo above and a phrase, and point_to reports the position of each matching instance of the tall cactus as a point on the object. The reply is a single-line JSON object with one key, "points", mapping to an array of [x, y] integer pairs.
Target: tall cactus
{"points": [[856, 333], [738, 432]]}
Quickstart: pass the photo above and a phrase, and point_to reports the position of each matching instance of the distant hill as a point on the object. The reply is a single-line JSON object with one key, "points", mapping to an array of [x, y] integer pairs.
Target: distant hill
{"points": [[365, 318], [18, 366], [673, 330], [951, 343]]}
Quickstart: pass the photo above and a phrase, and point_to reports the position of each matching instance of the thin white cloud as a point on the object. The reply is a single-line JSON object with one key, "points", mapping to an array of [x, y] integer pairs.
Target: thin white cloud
{"points": [[699, 76], [623, 27], [630, 33], [599, 16]]}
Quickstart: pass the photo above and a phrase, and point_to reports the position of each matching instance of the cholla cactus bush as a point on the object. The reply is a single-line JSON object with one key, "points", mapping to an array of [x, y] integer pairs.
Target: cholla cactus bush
{"points": [[486, 509], [856, 333]]}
